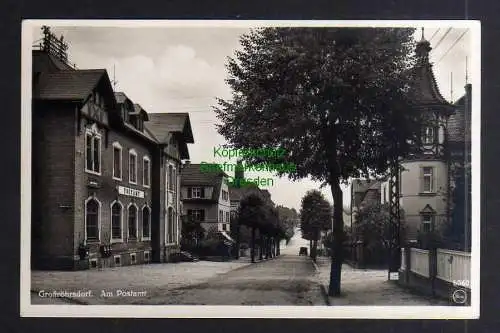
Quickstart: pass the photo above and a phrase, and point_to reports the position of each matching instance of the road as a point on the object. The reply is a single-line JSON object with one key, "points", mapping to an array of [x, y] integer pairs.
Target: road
{"points": [[284, 280]]}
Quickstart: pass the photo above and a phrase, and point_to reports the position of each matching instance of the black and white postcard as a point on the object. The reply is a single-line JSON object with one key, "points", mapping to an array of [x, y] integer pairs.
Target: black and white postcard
{"points": [[255, 169]]}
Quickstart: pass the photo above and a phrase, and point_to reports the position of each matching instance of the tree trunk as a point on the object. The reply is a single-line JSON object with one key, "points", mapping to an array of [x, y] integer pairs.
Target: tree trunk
{"points": [[260, 246], [252, 247], [278, 246], [310, 248], [266, 246], [338, 234], [237, 254]]}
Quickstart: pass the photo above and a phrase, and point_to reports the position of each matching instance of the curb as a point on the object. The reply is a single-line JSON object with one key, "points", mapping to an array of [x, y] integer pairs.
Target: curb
{"points": [[322, 287]]}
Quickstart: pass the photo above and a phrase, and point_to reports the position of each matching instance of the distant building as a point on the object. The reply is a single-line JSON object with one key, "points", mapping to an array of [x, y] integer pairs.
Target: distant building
{"points": [[205, 198], [238, 193], [363, 193]]}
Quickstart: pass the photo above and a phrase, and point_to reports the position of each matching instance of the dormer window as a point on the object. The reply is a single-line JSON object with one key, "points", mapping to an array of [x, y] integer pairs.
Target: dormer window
{"points": [[428, 136]]}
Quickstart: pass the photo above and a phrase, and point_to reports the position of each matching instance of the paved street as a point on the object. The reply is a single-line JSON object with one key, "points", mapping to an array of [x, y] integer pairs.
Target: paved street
{"points": [[154, 279], [285, 280]]}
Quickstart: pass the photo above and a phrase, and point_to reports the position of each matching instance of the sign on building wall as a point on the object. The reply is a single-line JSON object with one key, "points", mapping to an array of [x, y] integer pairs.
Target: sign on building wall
{"points": [[130, 192]]}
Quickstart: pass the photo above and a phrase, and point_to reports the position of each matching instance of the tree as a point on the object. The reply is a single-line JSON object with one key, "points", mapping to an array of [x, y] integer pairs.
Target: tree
{"points": [[252, 214], [315, 216], [373, 227], [192, 231], [337, 100], [287, 220]]}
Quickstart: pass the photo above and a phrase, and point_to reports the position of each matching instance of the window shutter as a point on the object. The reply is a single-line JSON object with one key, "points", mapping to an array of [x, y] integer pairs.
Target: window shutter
{"points": [[190, 192], [203, 192]]}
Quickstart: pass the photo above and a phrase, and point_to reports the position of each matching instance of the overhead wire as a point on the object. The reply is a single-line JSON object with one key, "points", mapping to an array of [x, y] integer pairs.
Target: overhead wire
{"points": [[453, 45], [442, 38]]}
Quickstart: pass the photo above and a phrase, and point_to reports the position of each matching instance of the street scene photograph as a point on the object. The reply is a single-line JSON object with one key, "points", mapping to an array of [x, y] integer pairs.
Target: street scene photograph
{"points": [[251, 164]]}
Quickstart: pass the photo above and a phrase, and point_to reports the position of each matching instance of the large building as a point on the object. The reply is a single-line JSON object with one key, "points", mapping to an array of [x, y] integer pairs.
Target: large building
{"points": [[98, 173]]}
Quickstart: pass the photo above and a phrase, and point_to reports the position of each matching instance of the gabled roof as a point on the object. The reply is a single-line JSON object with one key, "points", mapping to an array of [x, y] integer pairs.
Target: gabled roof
{"points": [[191, 175], [360, 185], [70, 85], [137, 132], [237, 194], [161, 124], [427, 210]]}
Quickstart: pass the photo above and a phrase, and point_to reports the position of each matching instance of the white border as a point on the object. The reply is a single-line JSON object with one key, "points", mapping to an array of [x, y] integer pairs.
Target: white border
{"points": [[181, 311]]}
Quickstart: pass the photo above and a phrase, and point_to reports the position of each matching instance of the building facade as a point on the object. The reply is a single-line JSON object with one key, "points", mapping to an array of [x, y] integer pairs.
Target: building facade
{"points": [[205, 198], [96, 198], [424, 178], [173, 132]]}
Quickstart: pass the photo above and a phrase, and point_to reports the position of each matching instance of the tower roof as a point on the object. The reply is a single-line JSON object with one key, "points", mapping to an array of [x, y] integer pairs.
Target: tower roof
{"points": [[425, 85]]}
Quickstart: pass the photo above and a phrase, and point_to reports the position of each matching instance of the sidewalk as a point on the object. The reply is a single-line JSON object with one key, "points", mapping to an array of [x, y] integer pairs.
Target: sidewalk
{"points": [[369, 287], [130, 282]]}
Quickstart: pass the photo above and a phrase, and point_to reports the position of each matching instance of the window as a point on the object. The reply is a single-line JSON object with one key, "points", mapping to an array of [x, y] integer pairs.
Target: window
{"points": [[224, 227], [174, 172], [197, 215], [196, 192], [221, 216], [132, 167], [170, 178], [428, 136], [426, 223], [133, 259], [116, 221], [225, 195], [428, 179], [227, 218], [384, 200], [132, 222], [117, 161], [146, 223], [92, 220], [93, 153], [146, 171], [171, 226]]}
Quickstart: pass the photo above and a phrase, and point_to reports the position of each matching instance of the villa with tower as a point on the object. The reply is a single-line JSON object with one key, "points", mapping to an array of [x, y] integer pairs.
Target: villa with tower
{"points": [[434, 188]]}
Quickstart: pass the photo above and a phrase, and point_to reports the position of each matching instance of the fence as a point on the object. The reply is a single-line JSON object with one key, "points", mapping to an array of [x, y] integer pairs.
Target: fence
{"points": [[436, 273], [453, 266], [419, 261]]}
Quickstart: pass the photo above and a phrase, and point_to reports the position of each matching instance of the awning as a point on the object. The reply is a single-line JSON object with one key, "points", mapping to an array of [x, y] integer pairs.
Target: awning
{"points": [[227, 237]]}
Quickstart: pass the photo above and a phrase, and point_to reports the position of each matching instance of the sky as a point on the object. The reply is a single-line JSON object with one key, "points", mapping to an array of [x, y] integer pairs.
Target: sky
{"points": [[182, 69]]}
